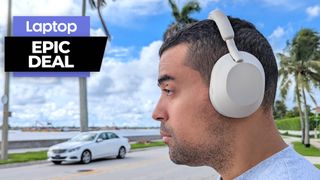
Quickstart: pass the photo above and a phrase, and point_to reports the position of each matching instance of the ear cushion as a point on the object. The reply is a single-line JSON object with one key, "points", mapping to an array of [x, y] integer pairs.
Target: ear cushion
{"points": [[237, 89]]}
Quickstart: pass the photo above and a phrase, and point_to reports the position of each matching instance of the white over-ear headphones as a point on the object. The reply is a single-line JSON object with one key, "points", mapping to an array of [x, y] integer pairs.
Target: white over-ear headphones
{"points": [[237, 78]]}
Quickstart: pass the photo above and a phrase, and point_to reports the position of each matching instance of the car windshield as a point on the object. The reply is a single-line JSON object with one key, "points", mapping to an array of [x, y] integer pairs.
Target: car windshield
{"points": [[84, 137]]}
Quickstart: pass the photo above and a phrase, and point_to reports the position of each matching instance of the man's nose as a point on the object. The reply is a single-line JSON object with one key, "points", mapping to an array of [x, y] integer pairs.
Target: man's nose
{"points": [[159, 113]]}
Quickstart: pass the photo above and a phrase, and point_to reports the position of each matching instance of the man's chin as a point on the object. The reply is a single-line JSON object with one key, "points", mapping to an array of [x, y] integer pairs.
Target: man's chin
{"points": [[176, 158]]}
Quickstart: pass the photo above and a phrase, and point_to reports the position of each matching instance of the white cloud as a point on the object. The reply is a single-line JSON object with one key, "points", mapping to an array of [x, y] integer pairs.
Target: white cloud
{"points": [[125, 12], [313, 11], [120, 52], [97, 32], [277, 33], [41, 7], [126, 92], [279, 37]]}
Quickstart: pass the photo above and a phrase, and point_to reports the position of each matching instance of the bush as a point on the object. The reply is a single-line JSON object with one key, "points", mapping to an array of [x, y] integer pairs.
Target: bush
{"points": [[314, 123], [294, 123], [289, 124]]}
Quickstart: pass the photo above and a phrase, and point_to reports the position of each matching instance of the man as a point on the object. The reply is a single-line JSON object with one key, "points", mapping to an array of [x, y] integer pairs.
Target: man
{"points": [[197, 135]]}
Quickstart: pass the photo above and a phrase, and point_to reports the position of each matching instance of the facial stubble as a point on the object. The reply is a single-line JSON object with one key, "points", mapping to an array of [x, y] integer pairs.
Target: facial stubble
{"points": [[214, 145]]}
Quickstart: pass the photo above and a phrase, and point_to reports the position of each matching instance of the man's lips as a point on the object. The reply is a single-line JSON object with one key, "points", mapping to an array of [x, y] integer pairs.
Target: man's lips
{"points": [[165, 136]]}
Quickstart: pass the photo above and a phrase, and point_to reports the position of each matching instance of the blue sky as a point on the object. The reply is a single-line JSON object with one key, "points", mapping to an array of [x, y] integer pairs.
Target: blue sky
{"points": [[125, 91], [267, 15]]}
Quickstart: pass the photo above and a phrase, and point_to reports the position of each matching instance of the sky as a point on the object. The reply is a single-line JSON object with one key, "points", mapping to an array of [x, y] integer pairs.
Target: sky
{"points": [[125, 91]]}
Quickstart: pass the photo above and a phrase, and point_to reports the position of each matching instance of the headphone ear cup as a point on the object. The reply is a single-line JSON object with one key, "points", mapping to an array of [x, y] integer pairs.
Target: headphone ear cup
{"points": [[237, 89]]}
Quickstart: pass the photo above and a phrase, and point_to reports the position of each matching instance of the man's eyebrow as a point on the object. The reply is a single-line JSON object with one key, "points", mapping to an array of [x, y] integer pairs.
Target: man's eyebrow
{"points": [[164, 78]]}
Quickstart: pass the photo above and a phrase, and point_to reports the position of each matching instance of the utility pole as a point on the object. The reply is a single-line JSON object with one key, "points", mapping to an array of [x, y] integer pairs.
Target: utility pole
{"points": [[83, 92], [5, 99]]}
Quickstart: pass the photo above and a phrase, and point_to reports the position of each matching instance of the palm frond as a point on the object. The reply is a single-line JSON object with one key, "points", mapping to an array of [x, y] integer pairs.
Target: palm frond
{"points": [[315, 77], [175, 10], [305, 44], [96, 3], [182, 17], [314, 100], [285, 85], [190, 7], [92, 3], [313, 65]]}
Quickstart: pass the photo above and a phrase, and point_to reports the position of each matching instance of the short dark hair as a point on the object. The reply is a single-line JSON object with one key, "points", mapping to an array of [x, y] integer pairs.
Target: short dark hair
{"points": [[206, 46]]}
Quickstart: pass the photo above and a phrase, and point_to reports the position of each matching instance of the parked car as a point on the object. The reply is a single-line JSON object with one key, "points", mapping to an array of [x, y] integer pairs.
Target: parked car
{"points": [[88, 146]]}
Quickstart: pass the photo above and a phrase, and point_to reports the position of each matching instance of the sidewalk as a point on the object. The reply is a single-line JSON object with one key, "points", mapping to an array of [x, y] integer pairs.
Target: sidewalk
{"points": [[10, 151], [314, 142]]}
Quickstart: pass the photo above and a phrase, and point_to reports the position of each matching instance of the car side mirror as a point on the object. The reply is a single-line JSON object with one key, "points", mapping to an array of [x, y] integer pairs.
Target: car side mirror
{"points": [[99, 140]]}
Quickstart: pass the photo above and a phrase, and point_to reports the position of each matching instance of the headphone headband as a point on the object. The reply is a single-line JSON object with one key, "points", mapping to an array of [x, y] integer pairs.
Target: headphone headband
{"points": [[226, 33]]}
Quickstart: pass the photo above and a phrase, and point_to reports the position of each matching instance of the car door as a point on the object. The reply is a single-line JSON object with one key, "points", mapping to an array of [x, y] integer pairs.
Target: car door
{"points": [[114, 143], [101, 146]]}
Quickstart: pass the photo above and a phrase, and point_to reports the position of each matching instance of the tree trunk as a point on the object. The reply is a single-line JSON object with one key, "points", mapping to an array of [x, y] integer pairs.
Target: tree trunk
{"points": [[301, 114], [5, 120], [104, 26], [84, 125], [306, 122]]}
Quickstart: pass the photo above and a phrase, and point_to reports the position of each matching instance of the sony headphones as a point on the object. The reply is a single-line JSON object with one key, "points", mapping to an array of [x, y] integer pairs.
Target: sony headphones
{"points": [[237, 79]]}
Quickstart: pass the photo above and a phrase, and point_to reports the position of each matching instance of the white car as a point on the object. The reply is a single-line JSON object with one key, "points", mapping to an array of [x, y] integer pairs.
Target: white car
{"points": [[88, 146]]}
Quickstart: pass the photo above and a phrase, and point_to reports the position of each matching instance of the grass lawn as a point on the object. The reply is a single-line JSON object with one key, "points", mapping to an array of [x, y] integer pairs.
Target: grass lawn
{"points": [[145, 145], [317, 165], [42, 155], [25, 157], [301, 149]]}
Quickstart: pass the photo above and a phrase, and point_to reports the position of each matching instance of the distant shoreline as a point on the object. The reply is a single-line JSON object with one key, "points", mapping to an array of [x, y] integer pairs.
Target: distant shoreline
{"points": [[19, 135], [69, 129]]}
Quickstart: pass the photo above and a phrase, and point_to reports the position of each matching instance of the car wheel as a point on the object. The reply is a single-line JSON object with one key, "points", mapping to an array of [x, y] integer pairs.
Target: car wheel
{"points": [[122, 153], [57, 162], [86, 157]]}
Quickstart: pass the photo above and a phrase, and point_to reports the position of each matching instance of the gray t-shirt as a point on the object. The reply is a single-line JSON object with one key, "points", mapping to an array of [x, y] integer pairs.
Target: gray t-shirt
{"points": [[284, 165]]}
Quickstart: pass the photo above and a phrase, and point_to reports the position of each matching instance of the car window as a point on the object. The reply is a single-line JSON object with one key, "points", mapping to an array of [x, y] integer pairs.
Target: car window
{"points": [[103, 136], [84, 137], [112, 135]]}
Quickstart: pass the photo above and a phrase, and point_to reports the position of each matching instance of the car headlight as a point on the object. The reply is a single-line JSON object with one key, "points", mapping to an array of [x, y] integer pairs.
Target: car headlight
{"points": [[74, 149]]}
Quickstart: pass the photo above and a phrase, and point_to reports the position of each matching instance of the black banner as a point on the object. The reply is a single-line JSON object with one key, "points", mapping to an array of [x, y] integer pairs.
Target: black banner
{"points": [[54, 54]]}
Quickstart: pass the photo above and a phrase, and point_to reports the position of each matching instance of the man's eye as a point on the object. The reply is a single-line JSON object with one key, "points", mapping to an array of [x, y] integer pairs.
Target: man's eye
{"points": [[168, 92]]}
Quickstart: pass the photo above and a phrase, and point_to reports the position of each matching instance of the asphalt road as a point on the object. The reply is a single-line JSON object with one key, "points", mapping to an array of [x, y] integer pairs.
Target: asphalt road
{"points": [[151, 164]]}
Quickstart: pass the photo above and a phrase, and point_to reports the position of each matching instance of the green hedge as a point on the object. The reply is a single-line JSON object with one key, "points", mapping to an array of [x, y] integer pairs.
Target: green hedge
{"points": [[294, 123], [289, 124]]}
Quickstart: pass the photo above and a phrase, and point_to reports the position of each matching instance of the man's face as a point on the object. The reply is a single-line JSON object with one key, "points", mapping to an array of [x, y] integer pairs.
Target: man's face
{"points": [[193, 130]]}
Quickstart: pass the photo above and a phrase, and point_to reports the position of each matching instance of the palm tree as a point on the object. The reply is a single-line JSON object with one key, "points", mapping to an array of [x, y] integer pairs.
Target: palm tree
{"points": [[83, 92], [280, 109], [5, 123], [182, 18], [98, 5], [82, 80], [301, 65]]}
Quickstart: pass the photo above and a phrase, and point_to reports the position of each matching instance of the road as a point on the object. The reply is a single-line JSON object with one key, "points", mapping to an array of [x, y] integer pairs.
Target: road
{"points": [[151, 164]]}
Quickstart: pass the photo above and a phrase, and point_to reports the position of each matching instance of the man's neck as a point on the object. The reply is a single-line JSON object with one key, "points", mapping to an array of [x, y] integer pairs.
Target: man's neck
{"points": [[257, 139]]}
